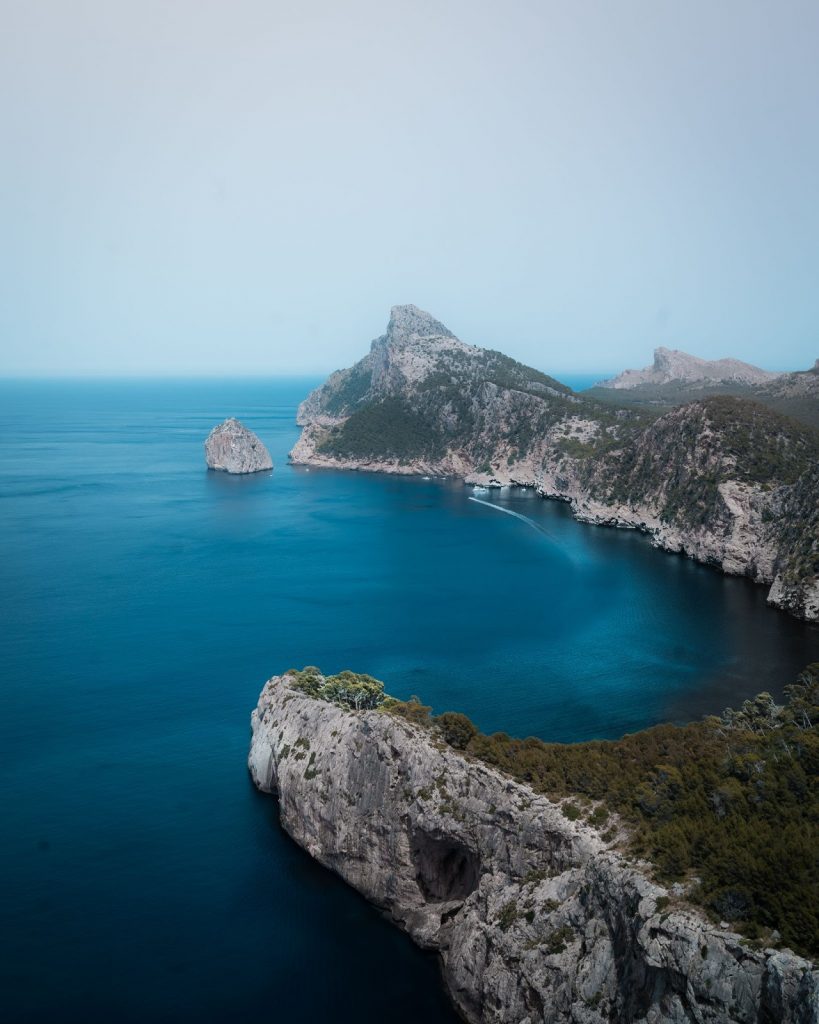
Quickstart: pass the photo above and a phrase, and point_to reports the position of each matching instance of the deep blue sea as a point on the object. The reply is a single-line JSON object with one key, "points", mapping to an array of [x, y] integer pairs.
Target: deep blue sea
{"points": [[144, 603]]}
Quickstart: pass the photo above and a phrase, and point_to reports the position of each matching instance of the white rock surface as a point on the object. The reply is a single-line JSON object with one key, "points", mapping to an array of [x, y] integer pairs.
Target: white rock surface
{"points": [[535, 918], [232, 448]]}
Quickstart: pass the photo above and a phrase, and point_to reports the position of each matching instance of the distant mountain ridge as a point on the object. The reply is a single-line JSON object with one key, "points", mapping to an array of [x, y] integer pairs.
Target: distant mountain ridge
{"points": [[724, 480], [677, 377], [672, 365]]}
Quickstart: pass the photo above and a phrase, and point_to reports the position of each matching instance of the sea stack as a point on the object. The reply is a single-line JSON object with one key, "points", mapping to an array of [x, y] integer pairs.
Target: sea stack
{"points": [[232, 448]]}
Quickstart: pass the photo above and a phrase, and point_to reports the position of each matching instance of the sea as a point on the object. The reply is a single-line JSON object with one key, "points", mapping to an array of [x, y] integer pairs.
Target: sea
{"points": [[144, 601]]}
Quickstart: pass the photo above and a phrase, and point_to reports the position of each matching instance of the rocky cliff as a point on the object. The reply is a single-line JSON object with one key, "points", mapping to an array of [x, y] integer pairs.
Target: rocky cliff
{"points": [[535, 917], [711, 479], [232, 448]]}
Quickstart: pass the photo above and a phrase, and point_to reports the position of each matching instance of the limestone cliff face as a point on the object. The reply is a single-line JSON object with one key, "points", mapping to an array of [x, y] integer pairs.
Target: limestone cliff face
{"points": [[536, 918], [232, 448], [724, 480]]}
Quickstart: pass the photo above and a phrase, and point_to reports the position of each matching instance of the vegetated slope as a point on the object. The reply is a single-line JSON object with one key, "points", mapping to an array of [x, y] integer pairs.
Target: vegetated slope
{"points": [[730, 482], [679, 462], [728, 807], [423, 397], [540, 906], [730, 804], [724, 480]]}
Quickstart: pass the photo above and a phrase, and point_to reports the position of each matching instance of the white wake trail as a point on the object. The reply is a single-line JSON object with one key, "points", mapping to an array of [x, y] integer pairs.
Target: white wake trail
{"points": [[517, 515]]}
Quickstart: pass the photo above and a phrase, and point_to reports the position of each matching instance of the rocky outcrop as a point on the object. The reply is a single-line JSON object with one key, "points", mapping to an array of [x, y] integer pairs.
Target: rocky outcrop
{"points": [[673, 366], [723, 480], [232, 448], [536, 918]]}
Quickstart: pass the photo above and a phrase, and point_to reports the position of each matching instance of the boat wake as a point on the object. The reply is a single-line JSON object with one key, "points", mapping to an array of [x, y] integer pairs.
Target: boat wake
{"points": [[517, 515]]}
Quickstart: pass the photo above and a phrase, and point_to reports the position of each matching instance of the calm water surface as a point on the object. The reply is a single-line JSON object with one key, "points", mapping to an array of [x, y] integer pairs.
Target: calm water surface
{"points": [[144, 603]]}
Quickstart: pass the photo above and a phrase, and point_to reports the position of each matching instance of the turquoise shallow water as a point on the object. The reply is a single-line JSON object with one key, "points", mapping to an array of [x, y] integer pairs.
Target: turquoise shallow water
{"points": [[145, 601]]}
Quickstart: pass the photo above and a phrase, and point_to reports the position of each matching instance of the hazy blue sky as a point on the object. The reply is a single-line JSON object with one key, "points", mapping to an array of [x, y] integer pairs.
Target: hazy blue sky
{"points": [[248, 186]]}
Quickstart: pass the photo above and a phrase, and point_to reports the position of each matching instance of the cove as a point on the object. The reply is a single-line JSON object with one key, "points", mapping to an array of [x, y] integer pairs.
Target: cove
{"points": [[145, 601]]}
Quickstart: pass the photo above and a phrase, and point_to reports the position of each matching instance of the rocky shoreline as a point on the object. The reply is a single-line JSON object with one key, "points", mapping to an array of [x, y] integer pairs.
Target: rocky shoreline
{"points": [[745, 548], [724, 481], [535, 917]]}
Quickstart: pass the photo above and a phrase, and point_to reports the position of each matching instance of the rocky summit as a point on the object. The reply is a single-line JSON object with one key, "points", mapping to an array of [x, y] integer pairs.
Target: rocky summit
{"points": [[232, 448], [674, 366], [536, 917], [726, 480], [676, 378]]}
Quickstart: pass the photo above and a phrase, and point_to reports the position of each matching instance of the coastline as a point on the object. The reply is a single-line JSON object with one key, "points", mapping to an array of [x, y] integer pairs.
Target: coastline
{"points": [[526, 905], [742, 551]]}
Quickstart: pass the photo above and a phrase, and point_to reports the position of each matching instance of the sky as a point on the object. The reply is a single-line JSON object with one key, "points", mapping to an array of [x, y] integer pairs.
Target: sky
{"points": [[247, 186]]}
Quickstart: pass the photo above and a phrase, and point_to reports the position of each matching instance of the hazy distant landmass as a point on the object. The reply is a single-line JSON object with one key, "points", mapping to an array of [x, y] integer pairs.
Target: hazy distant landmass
{"points": [[676, 377], [673, 366]]}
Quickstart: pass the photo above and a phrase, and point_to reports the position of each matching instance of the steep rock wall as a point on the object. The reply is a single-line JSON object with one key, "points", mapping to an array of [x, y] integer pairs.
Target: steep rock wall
{"points": [[536, 918]]}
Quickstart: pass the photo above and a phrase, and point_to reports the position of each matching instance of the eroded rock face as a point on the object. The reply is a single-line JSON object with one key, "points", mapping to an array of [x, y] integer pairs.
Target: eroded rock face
{"points": [[232, 448], [536, 918]]}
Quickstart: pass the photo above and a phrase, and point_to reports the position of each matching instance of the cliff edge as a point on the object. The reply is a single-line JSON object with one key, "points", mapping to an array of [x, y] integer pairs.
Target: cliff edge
{"points": [[535, 917]]}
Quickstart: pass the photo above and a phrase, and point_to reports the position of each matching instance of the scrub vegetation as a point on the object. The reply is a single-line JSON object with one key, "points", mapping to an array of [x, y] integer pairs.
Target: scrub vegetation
{"points": [[730, 805], [687, 454], [353, 690]]}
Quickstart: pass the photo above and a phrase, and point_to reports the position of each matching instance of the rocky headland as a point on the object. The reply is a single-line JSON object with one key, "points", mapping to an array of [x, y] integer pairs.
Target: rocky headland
{"points": [[232, 448], [536, 917], [725, 480]]}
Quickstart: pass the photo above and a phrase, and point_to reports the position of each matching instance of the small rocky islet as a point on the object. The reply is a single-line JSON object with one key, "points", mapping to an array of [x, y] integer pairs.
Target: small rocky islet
{"points": [[232, 448]]}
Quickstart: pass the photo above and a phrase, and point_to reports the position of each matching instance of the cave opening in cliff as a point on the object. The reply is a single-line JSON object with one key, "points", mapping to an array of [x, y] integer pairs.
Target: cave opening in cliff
{"points": [[446, 869]]}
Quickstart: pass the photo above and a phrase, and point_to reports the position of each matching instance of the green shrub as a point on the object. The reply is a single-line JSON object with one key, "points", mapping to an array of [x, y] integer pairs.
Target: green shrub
{"points": [[456, 729], [412, 710], [559, 939], [354, 690], [508, 915]]}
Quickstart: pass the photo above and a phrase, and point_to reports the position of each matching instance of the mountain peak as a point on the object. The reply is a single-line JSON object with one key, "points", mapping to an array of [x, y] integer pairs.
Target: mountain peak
{"points": [[409, 322]]}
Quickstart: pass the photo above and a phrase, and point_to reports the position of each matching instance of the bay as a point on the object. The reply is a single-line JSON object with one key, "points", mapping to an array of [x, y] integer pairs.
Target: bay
{"points": [[145, 601]]}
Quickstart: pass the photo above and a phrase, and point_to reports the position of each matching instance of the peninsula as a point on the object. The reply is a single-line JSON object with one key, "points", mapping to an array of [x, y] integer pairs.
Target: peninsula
{"points": [[725, 480], [524, 864]]}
